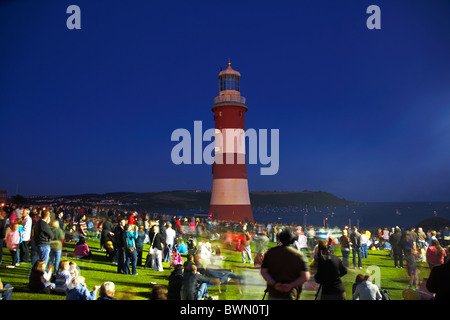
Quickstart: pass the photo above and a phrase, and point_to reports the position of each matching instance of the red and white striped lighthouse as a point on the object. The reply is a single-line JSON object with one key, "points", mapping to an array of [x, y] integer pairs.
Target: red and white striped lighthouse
{"points": [[230, 198]]}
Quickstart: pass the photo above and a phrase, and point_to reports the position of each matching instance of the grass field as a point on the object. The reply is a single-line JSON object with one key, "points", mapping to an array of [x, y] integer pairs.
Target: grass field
{"points": [[128, 287]]}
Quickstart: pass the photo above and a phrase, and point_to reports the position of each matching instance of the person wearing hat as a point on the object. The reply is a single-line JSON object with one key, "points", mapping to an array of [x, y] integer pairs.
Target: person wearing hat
{"points": [[285, 269]]}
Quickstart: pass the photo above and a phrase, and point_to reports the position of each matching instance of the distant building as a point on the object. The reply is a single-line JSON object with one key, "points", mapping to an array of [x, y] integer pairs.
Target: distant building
{"points": [[3, 196]]}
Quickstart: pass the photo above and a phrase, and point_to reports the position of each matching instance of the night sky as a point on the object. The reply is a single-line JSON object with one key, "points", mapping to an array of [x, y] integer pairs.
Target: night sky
{"points": [[363, 114]]}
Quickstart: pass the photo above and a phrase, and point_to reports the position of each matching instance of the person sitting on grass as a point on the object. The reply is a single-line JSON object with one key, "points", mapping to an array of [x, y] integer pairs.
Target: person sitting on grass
{"points": [[215, 271], [107, 291], [82, 249], [78, 291], [62, 277], [190, 289], [39, 279]]}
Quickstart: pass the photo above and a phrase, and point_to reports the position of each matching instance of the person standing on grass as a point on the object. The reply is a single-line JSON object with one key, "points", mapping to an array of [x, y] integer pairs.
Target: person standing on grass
{"points": [[56, 243], [284, 268], [355, 240], [119, 246], [397, 252], [140, 244], [157, 244], [330, 270], [435, 254], [24, 247], [12, 241], [344, 241], [246, 250], [130, 234], [43, 236], [170, 240]]}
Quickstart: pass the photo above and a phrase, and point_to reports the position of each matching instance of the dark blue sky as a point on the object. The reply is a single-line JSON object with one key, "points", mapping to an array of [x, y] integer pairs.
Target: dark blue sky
{"points": [[363, 114]]}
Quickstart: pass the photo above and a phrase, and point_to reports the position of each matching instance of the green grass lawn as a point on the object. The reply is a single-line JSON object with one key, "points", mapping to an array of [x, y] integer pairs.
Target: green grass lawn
{"points": [[99, 269]]}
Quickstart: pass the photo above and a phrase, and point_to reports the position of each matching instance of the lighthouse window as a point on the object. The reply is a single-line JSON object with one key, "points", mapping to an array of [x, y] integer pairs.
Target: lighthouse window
{"points": [[229, 82]]}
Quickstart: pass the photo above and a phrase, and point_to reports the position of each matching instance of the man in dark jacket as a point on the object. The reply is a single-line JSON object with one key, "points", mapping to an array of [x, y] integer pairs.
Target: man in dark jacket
{"points": [[43, 236], [396, 244], [119, 246], [175, 282], [355, 239]]}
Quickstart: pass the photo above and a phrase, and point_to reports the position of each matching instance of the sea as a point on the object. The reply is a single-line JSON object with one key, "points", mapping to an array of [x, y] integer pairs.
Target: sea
{"points": [[364, 216]]}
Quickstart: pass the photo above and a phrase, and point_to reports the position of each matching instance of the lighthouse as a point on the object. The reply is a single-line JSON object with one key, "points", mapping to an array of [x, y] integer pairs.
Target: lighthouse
{"points": [[230, 198]]}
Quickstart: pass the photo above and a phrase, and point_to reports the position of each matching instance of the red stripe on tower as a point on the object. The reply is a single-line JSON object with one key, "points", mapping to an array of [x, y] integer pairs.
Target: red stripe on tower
{"points": [[230, 198]]}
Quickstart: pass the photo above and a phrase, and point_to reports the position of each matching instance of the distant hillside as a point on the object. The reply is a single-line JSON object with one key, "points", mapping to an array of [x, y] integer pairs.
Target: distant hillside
{"points": [[186, 199]]}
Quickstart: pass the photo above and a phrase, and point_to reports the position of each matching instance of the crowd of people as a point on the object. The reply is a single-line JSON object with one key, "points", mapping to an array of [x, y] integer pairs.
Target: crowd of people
{"points": [[37, 235]]}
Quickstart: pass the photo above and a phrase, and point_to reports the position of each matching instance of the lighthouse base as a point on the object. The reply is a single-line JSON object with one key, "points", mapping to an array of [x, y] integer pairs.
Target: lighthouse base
{"points": [[231, 212]]}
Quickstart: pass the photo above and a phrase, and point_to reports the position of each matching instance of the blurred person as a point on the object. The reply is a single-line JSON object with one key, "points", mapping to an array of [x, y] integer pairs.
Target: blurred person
{"points": [[175, 283], [285, 269], [119, 251], [364, 245], [432, 236], [366, 290], [359, 279], [78, 290], [213, 270], [39, 280], [397, 252], [435, 254], [169, 242], [140, 244], [246, 249], [355, 241], [130, 234], [56, 243], [411, 268], [159, 292], [190, 290], [422, 238], [24, 247], [2, 232], [446, 237], [439, 282], [82, 250], [157, 244], [311, 238], [63, 277], [330, 270], [43, 236], [344, 241], [107, 291], [12, 241]]}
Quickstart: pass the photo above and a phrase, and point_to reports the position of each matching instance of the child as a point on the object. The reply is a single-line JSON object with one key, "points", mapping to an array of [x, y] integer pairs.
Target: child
{"points": [[73, 270], [81, 249], [12, 243], [79, 291], [39, 279], [63, 277]]}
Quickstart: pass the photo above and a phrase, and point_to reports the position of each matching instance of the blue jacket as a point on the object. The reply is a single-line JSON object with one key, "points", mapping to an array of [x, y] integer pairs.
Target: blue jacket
{"points": [[129, 239], [80, 292]]}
